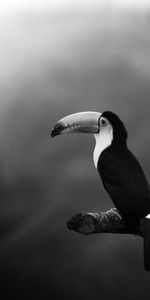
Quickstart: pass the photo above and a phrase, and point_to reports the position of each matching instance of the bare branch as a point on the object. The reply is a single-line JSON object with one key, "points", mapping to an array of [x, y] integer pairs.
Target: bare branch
{"points": [[102, 222]]}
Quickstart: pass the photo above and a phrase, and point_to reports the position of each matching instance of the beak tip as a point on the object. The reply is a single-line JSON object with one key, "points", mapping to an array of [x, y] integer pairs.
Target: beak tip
{"points": [[56, 130], [53, 133]]}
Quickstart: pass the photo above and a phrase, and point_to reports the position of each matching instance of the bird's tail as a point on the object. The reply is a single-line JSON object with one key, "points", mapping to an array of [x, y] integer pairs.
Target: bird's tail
{"points": [[146, 232]]}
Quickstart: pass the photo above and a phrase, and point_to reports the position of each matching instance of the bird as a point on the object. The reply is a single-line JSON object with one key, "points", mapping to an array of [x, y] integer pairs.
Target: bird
{"points": [[121, 173]]}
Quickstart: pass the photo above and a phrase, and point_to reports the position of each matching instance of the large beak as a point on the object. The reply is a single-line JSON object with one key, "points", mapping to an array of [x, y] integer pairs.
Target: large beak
{"points": [[82, 122]]}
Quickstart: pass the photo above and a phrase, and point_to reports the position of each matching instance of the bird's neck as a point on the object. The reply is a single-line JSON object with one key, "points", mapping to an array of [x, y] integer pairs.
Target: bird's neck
{"points": [[103, 141]]}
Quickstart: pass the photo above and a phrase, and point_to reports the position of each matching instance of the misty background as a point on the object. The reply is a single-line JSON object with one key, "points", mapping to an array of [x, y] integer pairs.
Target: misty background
{"points": [[55, 60]]}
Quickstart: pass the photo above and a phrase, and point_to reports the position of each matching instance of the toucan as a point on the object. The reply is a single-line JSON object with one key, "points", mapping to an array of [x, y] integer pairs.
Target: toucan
{"points": [[120, 171]]}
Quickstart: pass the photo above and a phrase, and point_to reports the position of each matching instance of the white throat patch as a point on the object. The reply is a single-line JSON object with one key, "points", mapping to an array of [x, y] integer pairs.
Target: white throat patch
{"points": [[103, 140]]}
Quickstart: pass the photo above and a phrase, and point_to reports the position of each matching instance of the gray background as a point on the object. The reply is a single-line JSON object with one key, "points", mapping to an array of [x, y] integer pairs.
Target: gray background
{"points": [[55, 61]]}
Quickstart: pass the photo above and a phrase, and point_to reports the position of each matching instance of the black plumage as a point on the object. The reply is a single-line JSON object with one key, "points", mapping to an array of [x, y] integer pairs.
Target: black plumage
{"points": [[122, 175]]}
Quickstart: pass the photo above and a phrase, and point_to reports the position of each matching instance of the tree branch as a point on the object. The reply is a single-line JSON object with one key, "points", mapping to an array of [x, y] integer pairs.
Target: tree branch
{"points": [[102, 222]]}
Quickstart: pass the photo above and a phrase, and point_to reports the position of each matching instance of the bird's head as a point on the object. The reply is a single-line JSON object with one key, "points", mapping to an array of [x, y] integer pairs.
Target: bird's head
{"points": [[111, 124], [107, 128]]}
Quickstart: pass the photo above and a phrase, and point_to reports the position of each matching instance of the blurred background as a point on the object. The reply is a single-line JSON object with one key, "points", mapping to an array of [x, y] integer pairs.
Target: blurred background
{"points": [[56, 58]]}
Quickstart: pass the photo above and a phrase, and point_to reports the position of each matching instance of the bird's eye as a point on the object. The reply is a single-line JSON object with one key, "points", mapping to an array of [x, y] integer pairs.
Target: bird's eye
{"points": [[103, 122]]}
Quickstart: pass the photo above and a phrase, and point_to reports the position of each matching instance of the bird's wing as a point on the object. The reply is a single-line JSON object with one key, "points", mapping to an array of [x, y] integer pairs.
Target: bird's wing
{"points": [[125, 182]]}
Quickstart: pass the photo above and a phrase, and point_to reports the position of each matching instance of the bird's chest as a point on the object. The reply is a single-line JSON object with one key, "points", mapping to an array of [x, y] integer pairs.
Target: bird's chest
{"points": [[97, 153], [102, 143]]}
